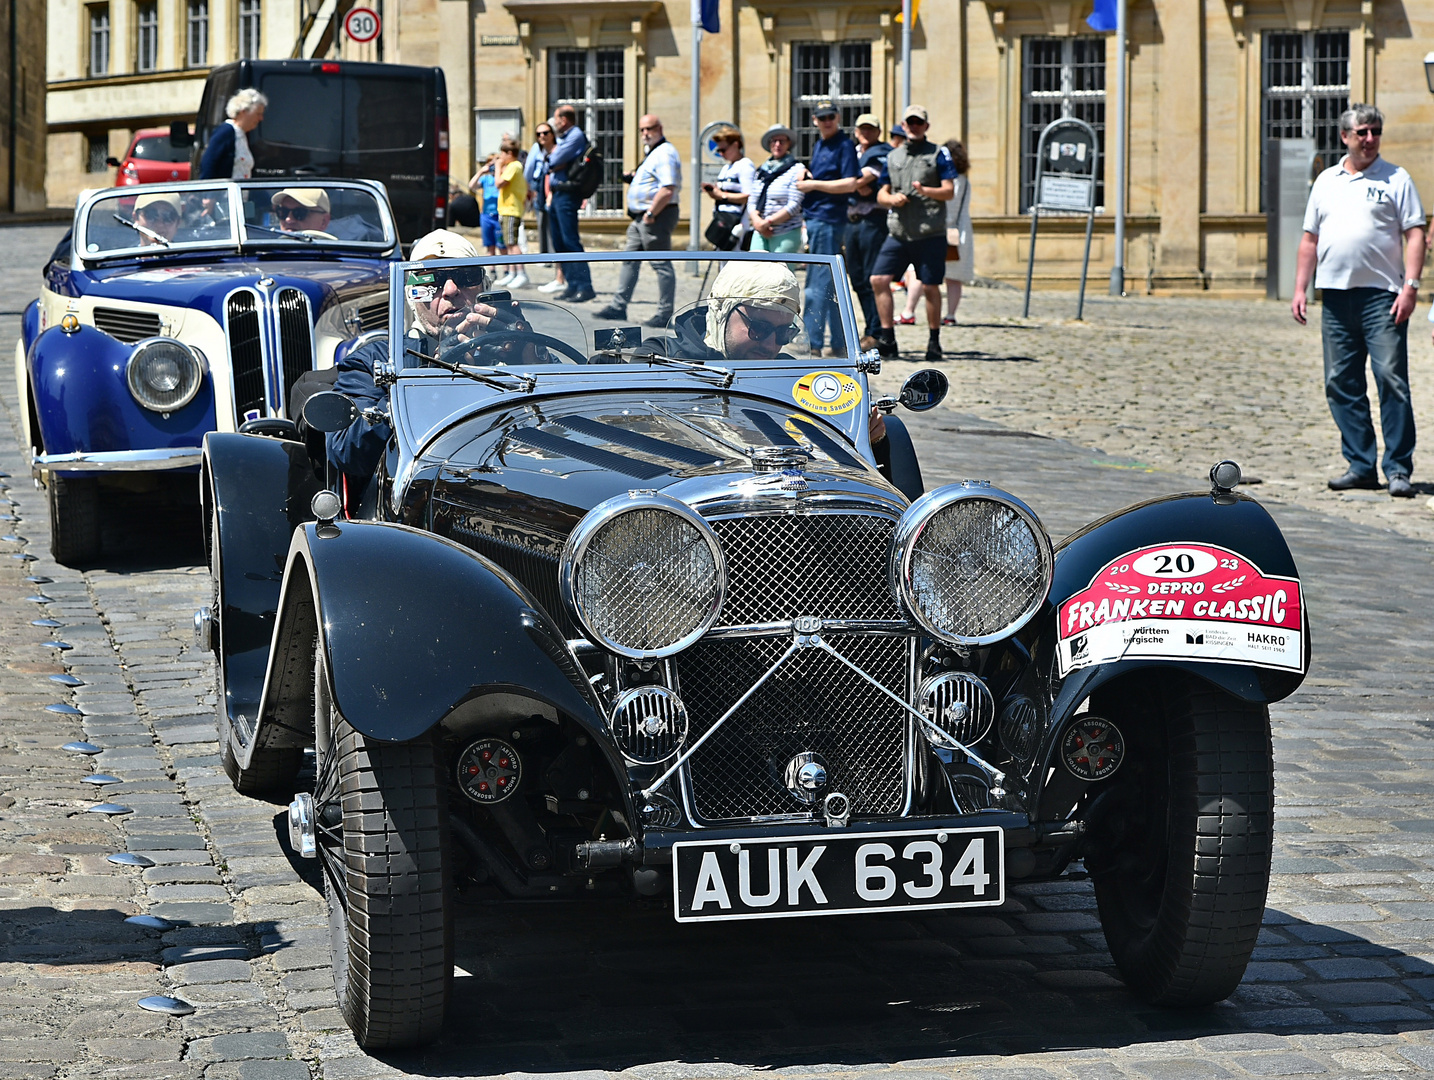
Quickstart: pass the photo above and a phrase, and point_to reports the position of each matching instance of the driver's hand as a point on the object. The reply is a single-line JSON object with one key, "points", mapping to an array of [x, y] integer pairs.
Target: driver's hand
{"points": [[466, 325], [876, 426]]}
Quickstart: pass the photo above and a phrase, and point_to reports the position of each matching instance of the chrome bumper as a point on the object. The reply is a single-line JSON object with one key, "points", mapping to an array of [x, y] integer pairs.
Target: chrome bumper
{"points": [[177, 457]]}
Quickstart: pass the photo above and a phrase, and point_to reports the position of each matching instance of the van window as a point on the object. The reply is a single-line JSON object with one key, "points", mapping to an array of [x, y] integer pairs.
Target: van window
{"points": [[385, 114], [304, 110], [221, 88]]}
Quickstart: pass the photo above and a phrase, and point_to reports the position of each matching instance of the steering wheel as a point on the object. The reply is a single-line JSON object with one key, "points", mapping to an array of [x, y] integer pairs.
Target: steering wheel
{"points": [[456, 354]]}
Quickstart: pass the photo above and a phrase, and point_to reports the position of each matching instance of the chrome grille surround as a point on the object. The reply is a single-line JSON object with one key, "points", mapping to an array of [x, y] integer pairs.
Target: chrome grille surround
{"points": [[971, 564], [649, 724], [785, 562], [960, 704], [644, 575]]}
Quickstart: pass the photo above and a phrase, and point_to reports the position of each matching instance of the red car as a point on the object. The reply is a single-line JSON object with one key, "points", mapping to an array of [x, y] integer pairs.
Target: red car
{"points": [[152, 158]]}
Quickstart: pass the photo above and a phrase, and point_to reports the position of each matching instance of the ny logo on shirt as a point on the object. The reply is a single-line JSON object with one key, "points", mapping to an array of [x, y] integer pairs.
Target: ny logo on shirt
{"points": [[1375, 194]]}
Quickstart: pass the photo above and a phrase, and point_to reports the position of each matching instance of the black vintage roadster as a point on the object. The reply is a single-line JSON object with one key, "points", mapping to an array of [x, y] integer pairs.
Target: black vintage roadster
{"points": [[649, 612]]}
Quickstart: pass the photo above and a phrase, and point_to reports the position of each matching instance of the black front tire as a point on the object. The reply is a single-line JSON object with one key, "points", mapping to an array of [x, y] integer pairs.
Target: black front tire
{"points": [[74, 520], [1181, 864], [383, 842]]}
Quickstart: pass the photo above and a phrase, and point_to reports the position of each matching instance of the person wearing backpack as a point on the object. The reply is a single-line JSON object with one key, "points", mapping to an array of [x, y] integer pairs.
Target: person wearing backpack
{"points": [[571, 149]]}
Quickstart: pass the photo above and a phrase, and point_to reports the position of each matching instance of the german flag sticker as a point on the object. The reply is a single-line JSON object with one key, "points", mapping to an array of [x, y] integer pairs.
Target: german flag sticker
{"points": [[827, 393]]}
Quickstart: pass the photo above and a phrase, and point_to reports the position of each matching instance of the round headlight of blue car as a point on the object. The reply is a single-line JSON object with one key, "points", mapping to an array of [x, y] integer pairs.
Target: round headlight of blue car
{"points": [[164, 374]]}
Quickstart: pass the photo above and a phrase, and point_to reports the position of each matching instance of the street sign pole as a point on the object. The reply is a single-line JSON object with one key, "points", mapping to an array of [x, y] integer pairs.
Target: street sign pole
{"points": [[1117, 272], [905, 55], [694, 213]]}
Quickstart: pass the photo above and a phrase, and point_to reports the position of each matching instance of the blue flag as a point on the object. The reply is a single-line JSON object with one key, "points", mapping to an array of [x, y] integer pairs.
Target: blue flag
{"points": [[705, 12], [1103, 17]]}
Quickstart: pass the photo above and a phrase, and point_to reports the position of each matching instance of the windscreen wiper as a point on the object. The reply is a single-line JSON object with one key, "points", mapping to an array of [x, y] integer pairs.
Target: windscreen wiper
{"points": [[142, 230], [723, 375], [278, 232], [526, 381]]}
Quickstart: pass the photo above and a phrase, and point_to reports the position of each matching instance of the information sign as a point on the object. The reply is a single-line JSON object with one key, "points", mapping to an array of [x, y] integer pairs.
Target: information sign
{"points": [[1067, 167]]}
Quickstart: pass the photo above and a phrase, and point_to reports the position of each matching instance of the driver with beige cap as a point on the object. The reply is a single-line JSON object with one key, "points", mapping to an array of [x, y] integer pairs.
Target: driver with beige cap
{"points": [[301, 209], [157, 213]]}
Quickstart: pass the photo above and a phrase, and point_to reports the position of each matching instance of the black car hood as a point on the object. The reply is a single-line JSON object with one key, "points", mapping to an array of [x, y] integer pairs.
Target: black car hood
{"points": [[543, 463]]}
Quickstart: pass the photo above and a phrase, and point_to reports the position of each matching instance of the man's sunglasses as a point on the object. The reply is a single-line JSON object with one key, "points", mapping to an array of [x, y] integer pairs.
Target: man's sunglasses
{"points": [[758, 330], [298, 213], [1366, 132], [159, 215]]}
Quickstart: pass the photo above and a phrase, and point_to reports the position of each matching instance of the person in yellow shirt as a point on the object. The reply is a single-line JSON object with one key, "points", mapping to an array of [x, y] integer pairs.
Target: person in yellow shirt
{"points": [[512, 193]]}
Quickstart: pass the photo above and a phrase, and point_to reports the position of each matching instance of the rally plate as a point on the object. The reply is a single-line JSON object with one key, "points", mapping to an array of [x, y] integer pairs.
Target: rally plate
{"points": [[838, 873]]}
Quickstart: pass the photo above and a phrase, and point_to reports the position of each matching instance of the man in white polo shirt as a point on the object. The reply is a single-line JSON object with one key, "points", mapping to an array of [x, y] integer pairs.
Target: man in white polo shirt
{"points": [[652, 204], [1361, 213]]}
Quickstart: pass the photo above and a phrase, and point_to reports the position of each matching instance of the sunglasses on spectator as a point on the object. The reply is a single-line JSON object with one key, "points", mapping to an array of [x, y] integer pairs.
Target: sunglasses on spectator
{"points": [[912, 121], [1366, 132], [298, 213], [761, 330], [161, 215]]}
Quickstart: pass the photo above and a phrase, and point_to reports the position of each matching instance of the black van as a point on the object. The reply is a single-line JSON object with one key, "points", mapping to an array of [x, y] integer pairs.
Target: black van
{"points": [[385, 122]]}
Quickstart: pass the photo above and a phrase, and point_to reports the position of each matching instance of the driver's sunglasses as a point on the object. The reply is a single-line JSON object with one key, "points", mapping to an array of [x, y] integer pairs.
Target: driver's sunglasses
{"points": [[159, 215], [1366, 132], [759, 330], [298, 213]]}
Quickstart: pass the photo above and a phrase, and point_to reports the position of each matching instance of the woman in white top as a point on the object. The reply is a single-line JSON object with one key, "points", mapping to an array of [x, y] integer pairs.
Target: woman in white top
{"points": [[958, 229], [227, 155], [733, 185], [774, 206]]}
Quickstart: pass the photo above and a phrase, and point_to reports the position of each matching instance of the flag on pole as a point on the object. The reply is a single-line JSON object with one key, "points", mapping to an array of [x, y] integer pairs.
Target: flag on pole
{"points": [[705, 15], [915, 10], [1103, 17]]}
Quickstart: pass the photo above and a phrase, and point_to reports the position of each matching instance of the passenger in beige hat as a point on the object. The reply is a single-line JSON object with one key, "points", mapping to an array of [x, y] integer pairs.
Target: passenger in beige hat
{"points": [[301, 209], [157, 214]]}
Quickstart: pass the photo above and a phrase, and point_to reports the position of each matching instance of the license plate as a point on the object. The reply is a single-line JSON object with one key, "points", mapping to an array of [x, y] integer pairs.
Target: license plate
{"points": [[838, 873]]}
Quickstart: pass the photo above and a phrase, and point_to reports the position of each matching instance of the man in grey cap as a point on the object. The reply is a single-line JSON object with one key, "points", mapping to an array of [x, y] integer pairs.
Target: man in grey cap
{"points": [[832, 166]]}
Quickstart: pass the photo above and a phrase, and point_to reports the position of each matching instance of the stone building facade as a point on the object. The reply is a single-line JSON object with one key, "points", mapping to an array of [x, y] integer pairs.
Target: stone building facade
{"points": [[22, 106], [1209, 80]]}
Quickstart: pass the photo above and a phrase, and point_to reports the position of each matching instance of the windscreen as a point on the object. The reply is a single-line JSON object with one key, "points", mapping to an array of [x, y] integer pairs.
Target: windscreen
{"points": [[730, 310], [311, 213], [158, 148], [150, 220]]}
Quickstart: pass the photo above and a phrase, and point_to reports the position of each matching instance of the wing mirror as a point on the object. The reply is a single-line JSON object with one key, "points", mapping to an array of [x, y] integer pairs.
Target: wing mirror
{"points": [[925, 389], [113, 162], [328, 411]]}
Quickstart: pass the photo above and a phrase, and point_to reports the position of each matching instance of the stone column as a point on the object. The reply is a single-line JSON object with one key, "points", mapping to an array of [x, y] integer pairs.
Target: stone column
{"points": [[1181, 143]]}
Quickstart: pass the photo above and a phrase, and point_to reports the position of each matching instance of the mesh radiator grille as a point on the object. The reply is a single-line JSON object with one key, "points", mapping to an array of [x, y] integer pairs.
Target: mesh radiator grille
{"points": [[832, 566], [813, 703], [246, 354]]}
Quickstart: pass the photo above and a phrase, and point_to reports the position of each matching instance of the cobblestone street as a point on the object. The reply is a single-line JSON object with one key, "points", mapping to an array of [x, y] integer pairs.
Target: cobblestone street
{"points": [[1077, 419]]}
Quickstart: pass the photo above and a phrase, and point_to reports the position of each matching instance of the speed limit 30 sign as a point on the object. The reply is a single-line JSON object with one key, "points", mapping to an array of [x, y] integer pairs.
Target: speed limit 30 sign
{"points": [[362, 24]]}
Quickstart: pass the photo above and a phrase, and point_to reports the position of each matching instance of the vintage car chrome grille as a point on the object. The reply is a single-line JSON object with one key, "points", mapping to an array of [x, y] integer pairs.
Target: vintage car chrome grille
{"points": [[780, 566], [296, 338], [812, 704], [246, 353], [128, 326]]}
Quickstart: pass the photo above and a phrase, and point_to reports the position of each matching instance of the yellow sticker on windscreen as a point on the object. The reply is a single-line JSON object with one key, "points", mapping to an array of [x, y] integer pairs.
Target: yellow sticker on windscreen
{"points": [[827, 393]]}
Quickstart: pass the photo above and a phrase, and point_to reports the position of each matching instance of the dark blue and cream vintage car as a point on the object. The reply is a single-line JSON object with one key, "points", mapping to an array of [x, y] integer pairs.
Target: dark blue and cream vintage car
{"points": [[571, 608], [173, 310]]}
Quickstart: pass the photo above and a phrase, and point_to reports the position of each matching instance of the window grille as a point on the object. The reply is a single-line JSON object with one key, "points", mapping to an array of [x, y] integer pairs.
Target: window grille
{"points": [[250, 29], [196, 53], [146, 29], [99, 41], [97, 149], [1306, 87], [1061, 77], [590, 80], [840, 71]]}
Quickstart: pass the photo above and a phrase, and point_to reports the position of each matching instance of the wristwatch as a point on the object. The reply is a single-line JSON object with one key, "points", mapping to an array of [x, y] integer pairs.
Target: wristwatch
{"points": [[1412, 283]]}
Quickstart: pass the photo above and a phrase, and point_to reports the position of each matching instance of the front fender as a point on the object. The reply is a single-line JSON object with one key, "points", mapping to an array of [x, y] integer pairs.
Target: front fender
{"points": [[413, 626], [83, 404]]}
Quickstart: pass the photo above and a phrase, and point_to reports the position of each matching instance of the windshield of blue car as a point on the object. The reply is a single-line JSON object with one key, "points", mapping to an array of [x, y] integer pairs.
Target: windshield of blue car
{"points": [[311, 212], [732, 309], [149, 220]]}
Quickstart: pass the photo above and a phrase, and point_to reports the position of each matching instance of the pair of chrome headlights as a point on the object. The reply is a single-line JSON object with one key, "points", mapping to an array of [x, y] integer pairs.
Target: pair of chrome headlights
{"points": [[163, 374], [645, 577]]}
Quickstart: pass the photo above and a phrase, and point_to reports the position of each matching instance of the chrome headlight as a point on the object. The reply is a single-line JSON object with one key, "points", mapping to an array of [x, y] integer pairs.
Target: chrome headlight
{"points": [[164, 374], [970, 564], [644, 576]]}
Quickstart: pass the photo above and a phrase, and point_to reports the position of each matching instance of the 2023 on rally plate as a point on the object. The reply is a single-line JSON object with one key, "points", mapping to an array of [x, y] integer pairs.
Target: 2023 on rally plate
{"points": [[919, 870]]}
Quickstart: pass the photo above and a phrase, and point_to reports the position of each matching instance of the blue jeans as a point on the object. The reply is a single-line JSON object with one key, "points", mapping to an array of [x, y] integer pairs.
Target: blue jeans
{"points": [[864, 237], [820, 309], [563, 224], [1356, 323]]}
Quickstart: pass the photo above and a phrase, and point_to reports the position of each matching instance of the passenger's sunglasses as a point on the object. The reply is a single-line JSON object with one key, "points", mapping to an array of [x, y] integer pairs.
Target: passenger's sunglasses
{"points": [[759, 330], [1366, 132], [159, 215], [298, 213]]}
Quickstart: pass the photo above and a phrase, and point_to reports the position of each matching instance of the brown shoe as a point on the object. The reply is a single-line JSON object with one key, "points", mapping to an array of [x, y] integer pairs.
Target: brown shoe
{"points": [[867, 343]]}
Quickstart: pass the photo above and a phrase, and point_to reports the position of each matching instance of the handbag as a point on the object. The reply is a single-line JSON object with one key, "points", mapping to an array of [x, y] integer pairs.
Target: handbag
{"points": [[721, 230]]}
